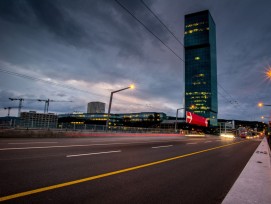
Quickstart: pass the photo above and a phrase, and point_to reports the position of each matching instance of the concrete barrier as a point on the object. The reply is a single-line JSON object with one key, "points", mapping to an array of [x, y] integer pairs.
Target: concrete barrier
{"points": [[254, 183], [99, 134], [30, 133], [37, 133]]}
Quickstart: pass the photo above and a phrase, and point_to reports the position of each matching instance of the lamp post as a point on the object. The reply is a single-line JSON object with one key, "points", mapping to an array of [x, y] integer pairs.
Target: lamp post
{"points": [[177, 118], [264, 116], [110, 102], [262, 104]]}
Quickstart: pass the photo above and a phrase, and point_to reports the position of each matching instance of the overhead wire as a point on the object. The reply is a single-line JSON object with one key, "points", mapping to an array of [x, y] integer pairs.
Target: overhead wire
{"points": [[59, 85], [162, 22], [45, 81], [128, 11], [138, 20], [228, 98], [232, 100]]}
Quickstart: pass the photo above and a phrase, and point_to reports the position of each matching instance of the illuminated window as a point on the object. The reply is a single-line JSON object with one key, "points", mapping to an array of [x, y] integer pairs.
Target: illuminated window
{"points": [[197, 83]]}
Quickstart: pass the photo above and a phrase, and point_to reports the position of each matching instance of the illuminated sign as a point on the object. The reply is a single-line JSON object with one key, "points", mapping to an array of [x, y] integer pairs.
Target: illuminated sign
{"points": [[195, 119]]}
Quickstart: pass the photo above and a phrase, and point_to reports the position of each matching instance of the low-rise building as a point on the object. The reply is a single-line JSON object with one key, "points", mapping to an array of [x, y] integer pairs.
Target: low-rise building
{"points": [[32, 119], [96, 107]]}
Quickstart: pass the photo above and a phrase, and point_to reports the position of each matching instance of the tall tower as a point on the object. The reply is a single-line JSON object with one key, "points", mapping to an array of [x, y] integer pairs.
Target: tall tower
{"points": [[200, 65]]}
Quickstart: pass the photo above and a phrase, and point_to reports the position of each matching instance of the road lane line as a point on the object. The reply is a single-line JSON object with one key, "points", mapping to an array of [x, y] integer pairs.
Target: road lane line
{"points": [[162, 146], [94, 153], [85, 145], [191, 143], [32, 142], [69, 183]]}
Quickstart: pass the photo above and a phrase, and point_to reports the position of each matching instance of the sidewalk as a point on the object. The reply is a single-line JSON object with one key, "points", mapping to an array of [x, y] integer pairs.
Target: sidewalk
{"points": [[254, 183]]}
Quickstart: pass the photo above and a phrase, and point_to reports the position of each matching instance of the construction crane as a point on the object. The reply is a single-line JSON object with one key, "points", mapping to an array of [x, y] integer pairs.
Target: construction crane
{"points": [[46, 107], [47, 102], [9, 108], [20, 104]]}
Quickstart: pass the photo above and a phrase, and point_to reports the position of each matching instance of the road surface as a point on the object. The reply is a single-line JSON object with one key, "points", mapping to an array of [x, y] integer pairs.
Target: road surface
{"points": [[121, 169]]}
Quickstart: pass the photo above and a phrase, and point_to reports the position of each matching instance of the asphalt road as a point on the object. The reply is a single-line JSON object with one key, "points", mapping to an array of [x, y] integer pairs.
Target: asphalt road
{"points": [[121, 169]]}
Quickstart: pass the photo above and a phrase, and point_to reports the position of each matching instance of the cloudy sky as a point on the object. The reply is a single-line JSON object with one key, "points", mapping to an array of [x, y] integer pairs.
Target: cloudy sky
{"points": [[82, 50]]}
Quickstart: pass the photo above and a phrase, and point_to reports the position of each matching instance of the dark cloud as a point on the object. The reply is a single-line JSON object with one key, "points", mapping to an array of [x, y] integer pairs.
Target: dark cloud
{"points": [[45, 14], [91, 44], [57, 21], [15, 11]]}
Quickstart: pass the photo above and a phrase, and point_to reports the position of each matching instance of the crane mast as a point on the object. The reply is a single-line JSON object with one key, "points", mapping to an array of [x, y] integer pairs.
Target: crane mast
{"points": [[20, 104]]}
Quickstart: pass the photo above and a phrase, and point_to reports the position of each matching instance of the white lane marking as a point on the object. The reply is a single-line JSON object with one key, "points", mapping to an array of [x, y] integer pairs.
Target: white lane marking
{"points": [[208, 141], [86, 145], [94, 153], [32, 142], [163, 146], [191, 143]]}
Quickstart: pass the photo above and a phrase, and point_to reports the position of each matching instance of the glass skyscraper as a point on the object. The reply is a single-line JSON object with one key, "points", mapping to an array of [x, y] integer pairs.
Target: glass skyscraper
{"points": [[200, 65]]}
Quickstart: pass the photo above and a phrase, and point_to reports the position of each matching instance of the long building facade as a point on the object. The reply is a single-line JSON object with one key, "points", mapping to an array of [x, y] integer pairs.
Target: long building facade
{"points": [[142, 119], [201, 65]]}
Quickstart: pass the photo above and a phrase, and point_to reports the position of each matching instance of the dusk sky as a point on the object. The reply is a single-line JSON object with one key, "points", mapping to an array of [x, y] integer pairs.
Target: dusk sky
{"points": [[82, 50]]}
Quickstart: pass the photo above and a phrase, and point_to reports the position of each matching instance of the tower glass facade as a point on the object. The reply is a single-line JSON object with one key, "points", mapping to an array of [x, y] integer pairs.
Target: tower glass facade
{"points": [[200, 65]]}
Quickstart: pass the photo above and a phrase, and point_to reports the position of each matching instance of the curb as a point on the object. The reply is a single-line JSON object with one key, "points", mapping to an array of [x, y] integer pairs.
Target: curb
{"points": [[253, 184]]}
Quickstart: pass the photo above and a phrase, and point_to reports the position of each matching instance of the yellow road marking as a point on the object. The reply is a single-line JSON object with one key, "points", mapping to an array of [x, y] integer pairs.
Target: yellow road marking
{"points": [[39, 190]]}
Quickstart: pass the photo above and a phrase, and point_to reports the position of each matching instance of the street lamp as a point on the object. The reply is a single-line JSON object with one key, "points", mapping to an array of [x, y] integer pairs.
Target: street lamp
{"points": [[263, 117], [177, 118], [132, 86], [262, 104], [268, 73]]}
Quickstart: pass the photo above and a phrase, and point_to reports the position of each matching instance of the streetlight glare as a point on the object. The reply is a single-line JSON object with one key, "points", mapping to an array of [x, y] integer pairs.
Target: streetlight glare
{"points": [[268, 73], [260, 104], [132, 86]]}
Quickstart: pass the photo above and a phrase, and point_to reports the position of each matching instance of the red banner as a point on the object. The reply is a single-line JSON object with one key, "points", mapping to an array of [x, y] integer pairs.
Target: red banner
{"points": [[195, 119]]}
